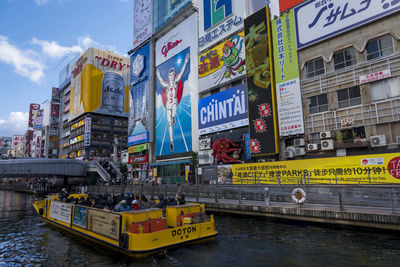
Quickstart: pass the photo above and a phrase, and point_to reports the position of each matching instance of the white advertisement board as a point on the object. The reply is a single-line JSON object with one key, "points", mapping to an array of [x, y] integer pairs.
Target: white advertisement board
{"points": [[60, 211], [218, 20], [206, 157], [290, 108], [176, 89], [379, 75], [142, 21], [317, 20]]}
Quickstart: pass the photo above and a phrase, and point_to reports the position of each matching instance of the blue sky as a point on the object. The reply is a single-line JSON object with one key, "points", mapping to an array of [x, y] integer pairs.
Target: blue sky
{"points": [[37, 39]]}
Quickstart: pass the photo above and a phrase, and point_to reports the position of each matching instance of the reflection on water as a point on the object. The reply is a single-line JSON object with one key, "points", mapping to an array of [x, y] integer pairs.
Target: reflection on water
{"points": [[27, 241]]}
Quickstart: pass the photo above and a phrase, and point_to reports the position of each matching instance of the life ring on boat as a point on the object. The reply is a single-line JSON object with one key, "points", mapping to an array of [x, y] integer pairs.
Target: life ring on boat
{"points": [[298, 195], [124, 240], [41, 211]]}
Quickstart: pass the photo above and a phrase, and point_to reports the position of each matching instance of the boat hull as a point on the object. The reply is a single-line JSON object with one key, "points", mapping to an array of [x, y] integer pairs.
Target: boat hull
{"points": [[137, 245]]}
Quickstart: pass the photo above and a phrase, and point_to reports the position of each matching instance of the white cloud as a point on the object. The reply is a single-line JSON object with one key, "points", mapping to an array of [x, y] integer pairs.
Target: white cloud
{"points": [[17, 123], [40, 2], [53, 49], [25, 62]]}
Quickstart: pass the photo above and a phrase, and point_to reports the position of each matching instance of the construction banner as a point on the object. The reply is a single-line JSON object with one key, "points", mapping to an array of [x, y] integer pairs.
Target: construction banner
{"points": [[374, 169]]}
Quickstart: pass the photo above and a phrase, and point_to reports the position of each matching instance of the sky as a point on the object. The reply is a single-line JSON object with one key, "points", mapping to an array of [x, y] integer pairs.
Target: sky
{"points": [[39, 37]]}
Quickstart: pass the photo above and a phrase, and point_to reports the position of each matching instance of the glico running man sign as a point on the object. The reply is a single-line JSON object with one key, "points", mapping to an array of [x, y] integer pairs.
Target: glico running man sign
{"points": [[263, 126], [176, 87]]}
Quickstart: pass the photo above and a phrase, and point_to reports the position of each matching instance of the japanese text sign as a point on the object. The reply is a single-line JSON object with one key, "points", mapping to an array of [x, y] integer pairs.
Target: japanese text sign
{"points": [[317, 20]]}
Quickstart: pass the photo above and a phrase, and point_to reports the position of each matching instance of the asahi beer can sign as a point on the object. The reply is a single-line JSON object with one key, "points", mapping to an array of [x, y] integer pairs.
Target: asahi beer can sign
{"points": [[100, 83], [113, 96]]}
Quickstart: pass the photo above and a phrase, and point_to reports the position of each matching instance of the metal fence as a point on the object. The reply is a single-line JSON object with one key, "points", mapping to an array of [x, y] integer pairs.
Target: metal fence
{"points": [[340, 197], [324, 196]]}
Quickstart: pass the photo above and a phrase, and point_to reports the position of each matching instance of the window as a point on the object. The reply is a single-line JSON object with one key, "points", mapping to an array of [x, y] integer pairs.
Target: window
{"points": [[385, 89], [349, 97], [318, 103], [350, 135], [315, 67], [379, 47], [344, 58]]}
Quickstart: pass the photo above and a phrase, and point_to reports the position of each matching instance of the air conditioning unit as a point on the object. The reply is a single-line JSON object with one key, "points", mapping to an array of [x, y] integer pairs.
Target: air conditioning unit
{"points": [[325, 135], [378, 140], [299, 151], [299, 142], [312, 147], [288, 154], [327, 144]]}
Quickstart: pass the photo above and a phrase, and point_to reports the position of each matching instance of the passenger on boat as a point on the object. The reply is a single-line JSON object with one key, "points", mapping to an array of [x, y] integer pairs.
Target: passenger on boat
{"points": [[181, 199], [63, 195], [135, 205], [123, 206], [144, 203], [171, 201], [163, 203], [152, 203]]}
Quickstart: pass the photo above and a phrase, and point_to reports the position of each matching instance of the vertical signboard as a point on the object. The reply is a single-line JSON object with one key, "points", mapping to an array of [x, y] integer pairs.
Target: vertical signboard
{"points": [[219, 19], [139, 97], [88, 130], [288, 91], [142, 21], [318, 20], [263, 126], [99, 84], [33, 108], [222, 63], [37, 119], [176, 80]]}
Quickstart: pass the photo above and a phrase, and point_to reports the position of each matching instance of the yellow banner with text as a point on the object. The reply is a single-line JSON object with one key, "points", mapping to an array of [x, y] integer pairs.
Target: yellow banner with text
{"points": [[375, 168]]}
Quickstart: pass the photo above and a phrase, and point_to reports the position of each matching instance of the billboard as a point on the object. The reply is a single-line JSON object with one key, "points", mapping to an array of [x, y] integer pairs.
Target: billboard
{"points": [[165, 10], [100, 84], [219, 19], [263, 126], [16, 140], [139, 96], [176, 87], [142, 21], [376, 168], [287, 4], [288, 91], [319, 20], [37, 119], [33, 108], [222, 63], [223, 111]]}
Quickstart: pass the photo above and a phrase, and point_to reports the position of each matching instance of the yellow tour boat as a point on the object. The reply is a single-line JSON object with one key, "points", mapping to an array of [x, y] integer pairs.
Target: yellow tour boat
{"points": [[137, 233]]}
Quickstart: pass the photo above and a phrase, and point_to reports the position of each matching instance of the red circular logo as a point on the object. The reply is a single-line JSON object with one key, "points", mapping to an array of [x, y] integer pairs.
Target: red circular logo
{"points": [[394, 167]]}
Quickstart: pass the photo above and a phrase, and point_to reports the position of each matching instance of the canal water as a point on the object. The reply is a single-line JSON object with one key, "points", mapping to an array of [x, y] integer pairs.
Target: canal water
{"points": [[242, 241]]}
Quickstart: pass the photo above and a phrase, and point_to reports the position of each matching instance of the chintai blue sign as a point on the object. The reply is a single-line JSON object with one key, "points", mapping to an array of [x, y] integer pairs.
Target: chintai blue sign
{"points": [[223, 111]]}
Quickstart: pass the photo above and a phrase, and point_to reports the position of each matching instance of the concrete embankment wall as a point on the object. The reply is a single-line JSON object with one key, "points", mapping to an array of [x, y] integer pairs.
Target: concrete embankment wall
{"points": [[320, 215]]}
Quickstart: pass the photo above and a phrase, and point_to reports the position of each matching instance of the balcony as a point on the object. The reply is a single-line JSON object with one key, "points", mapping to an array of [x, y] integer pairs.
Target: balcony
{"points": [[384, 111]]}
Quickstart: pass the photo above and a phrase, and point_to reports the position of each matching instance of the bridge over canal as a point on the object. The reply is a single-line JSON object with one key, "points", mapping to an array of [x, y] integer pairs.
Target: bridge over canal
{"points": [[49, 168]]}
